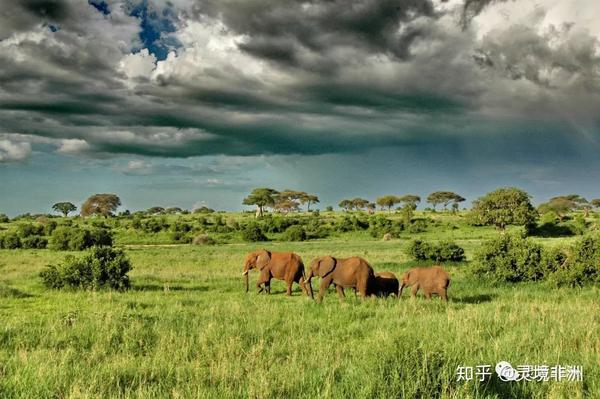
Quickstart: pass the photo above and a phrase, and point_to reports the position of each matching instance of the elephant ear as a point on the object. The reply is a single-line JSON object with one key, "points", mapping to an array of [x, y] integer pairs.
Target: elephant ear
{"points": [[263, 259], [326, 265]]}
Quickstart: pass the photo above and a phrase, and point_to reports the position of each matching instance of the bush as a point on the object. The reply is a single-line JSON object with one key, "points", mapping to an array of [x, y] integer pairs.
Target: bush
{"points": [[25, 230], [203, 239], [379, 225], [253, 233], [444, 251], [510, 258], [582, 265], [101, 267], [295, 233], [10, 240], [154, 225], [447, 251], [34, 242], [4, 218], [65, 238], [351, 223]]}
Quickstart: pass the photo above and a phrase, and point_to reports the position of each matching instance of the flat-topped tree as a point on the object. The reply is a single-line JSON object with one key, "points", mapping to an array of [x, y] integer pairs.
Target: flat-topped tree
{"points": [[410, 202], [563, 204], [387, 201], [261, 197], [346, 205], [359, 203], [503, 207], [100, 204], [309, 199], [64, 207], [443, 197]]}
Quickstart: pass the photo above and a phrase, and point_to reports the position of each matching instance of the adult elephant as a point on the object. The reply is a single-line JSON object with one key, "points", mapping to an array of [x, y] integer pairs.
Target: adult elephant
{"points": [[286, 266], [343, 273]]}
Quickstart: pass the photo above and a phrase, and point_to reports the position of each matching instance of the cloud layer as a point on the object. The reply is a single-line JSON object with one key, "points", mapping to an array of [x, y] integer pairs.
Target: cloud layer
{"points": [[182, 79]]}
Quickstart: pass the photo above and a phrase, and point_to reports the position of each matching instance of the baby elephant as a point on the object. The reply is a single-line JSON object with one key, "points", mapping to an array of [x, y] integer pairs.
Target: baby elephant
{"points": [[385, 284], [432, 280]]}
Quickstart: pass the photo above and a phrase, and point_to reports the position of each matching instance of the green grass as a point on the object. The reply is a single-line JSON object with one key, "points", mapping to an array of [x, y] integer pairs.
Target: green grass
{"points": [[187, 329]]}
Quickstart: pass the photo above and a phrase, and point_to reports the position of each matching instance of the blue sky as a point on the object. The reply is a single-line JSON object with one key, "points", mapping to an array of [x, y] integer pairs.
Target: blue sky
{"points": [[189, 103]]}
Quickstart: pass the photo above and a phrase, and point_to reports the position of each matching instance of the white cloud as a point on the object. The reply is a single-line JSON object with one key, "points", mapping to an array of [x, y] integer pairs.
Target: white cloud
{"points": [[73, 146], [138, 65], [14, 151]]}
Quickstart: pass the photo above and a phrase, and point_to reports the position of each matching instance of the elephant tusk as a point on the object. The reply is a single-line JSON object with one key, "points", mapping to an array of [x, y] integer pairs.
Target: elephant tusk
{"points": [[246, 272]]}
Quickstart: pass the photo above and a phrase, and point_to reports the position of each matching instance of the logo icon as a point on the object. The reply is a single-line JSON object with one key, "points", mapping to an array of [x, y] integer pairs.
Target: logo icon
{"points": [[506, 372]]}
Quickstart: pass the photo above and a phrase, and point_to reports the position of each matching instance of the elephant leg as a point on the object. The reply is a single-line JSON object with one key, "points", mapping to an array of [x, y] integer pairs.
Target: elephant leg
{"points": [[443, 294], [325, 282], [264, 280], [427, 294], [268, 286], [414, 290], [288, 291], [303, 286], [340, 291]]}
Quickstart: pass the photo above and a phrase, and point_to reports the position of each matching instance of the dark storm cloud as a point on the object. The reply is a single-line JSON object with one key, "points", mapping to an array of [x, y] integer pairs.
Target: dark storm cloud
{"points": [[280, 30], [305, 78]]}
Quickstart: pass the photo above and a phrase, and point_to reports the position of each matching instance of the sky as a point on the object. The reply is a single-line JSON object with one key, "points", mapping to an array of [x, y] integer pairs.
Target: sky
{"points": [[190, 103]]}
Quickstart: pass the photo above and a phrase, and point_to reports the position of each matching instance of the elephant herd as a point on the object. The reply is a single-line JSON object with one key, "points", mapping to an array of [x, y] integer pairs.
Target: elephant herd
{"points": [[353, 272]]}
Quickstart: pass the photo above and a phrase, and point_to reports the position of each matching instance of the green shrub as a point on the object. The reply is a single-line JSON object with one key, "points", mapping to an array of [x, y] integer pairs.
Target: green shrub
{"points": [[295, 233], [25, 230], [34, 242], [444, 251], [253, 233], [101, 267], [10, 240], [582, 265], [4, 218], [510, 258], [65, 238], [379, 225], [154, 224], [351, 223], [418, 249]]}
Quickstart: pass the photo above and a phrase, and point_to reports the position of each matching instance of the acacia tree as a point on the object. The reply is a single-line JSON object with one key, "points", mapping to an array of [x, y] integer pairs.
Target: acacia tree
{"points": [[359, 203], [563, 204], [100, 204], [346, 205], [410, 202], [443, 197], [261, 197], [387, 201], [504, 207], [64, 207], [309, 199]]}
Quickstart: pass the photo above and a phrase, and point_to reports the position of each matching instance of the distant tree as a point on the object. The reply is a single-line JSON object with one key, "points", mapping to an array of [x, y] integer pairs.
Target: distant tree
{"points": [[595, 203], [173, 210], [387, 201], [359, 203], [4, 218], [155, 210], [286, 206], [261, 197], [371, 206], [410, 202], [309, 199], [564, 204], [504, 207], [64, 207], [443, 197], [329, 208], [346, 205], [100, 204]]}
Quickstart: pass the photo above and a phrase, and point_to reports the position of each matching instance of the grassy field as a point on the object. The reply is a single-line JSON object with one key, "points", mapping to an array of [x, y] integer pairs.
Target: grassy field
{"points": [[188, 329]]}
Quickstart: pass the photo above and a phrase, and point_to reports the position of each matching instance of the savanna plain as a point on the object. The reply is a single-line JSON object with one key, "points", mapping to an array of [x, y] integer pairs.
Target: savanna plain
{"points": [[187, 328]]}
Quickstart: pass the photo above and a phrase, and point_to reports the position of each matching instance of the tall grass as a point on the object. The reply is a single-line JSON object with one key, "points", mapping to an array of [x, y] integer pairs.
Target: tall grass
{"points": [[187, 329]]}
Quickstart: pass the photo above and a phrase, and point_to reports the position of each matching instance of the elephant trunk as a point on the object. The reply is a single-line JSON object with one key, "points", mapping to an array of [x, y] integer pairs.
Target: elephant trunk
{"points": [[309, 284], [400, 289]]}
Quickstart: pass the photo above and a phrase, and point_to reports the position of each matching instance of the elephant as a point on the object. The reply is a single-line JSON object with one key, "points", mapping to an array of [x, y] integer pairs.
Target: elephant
{"points": [[385, 284], [341, 272], [432, 280], [286, 266]]}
